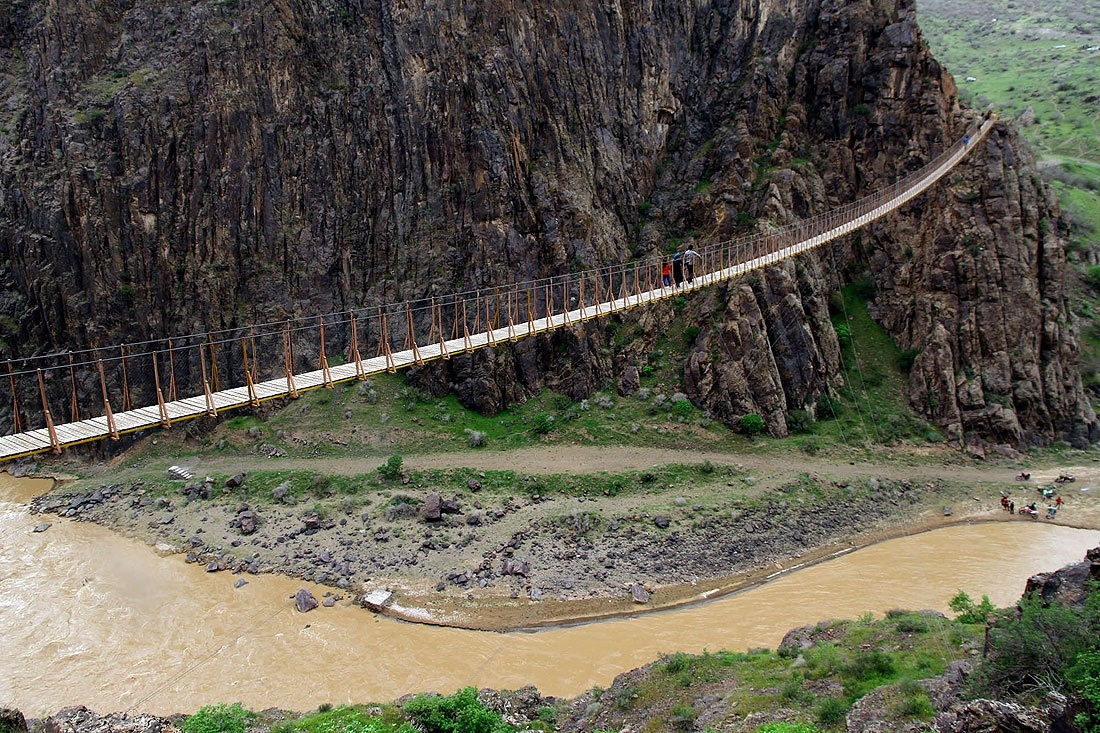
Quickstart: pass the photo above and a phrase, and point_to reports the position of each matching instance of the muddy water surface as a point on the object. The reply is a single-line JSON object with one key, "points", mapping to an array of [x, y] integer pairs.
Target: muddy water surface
{"points": [[87, 617]]}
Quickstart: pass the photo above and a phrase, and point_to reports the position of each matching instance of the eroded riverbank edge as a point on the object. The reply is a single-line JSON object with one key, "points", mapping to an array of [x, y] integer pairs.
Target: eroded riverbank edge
{"points": [[491, 609], [487, 615]]}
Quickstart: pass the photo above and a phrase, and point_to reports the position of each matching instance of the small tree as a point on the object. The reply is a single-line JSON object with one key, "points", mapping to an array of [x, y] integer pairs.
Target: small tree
{"points": [[967, 611], [391, 469], [752, 424]]}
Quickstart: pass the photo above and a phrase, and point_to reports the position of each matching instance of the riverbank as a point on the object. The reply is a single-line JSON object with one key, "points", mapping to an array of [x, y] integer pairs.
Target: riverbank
{"points": [[512, 543]]}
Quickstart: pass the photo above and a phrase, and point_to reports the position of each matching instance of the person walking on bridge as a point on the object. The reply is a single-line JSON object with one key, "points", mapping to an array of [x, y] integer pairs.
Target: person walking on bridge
{"points": [[690, 258]]}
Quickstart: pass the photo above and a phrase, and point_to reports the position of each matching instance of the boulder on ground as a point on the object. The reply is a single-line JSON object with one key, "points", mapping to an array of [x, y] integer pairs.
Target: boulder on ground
{"points": [[433, 508], [516, 567], [304, 601]]}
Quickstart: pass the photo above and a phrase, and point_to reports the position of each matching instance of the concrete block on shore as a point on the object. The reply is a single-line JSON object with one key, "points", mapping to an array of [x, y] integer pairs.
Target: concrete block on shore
{"points": [[377, 599]]}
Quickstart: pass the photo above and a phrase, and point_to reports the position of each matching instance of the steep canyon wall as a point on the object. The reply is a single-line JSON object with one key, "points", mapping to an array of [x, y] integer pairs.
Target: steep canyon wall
{"points": [[174, 167]]}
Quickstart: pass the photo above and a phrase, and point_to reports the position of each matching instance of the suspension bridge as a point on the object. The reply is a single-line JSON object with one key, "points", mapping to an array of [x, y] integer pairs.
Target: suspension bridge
{"points": [[154, 374]]}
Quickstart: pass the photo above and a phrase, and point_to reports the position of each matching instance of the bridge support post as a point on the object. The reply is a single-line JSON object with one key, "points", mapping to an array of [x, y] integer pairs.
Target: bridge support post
{"points": [[360, 372], [326, 376], [213, 364], [410, 338], [288, 359], [253, 401], [163, 408], [211, 409], [465, 329], [511, 322], [172, 394], [15, 410], [74, 413], [384, 342], [490, 338], [55, 444], [127, 403], [437, 325], [548, 310], [112, 430]]}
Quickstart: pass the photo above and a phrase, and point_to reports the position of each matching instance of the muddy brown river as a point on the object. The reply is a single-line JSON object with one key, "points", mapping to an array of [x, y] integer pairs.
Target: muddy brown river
{"points": [[91, 618]]}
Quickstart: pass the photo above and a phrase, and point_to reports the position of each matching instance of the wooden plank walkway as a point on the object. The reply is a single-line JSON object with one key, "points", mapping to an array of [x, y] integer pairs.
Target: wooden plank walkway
{"points": [[67, 434]]}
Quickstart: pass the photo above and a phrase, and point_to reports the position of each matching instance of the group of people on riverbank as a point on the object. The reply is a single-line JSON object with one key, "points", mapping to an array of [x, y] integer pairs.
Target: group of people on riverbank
{"points": [[681, 268], [1032, 509]]}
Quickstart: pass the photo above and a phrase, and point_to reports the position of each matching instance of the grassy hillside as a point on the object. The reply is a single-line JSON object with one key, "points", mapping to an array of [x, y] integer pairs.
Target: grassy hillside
{"points": [[1022, 55], [1039, 63]]}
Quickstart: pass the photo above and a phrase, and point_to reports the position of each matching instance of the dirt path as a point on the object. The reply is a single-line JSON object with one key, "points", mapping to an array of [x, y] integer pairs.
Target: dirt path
{"points": [[580, 459]]}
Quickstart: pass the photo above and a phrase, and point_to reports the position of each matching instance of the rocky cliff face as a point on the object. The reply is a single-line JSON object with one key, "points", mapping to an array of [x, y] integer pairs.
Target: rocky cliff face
{"points": [[174, 167]]}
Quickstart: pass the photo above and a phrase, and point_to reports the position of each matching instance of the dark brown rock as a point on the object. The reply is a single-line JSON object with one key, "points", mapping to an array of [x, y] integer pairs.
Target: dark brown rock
{"points": [[516, 567], [304, 601], [433, 508]]}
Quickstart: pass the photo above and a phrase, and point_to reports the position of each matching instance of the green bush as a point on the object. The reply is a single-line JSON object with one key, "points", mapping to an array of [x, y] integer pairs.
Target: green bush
{"points": [[461, 712], [683, 716], [912, 624], [864, 288], [870, 663], [752, 424], [1084, 677], [677, 663], [391, 469], [829, 407], [544, 423], [831, 712], [916, 706], [221, 718], [1032, 648], [844, 334], [1093, 276], [800, 421], [967, 611]]}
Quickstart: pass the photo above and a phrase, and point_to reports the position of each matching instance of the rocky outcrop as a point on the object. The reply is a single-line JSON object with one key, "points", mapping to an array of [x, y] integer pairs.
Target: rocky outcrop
{"points": [[173, 168], [1068, 585]]}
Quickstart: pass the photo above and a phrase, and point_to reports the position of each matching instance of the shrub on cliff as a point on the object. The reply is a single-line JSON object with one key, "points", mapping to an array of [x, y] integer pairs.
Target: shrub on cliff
{"points": [[752, 424], [967, 611], [1038, 646], [461, 712], [221, 718]]}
